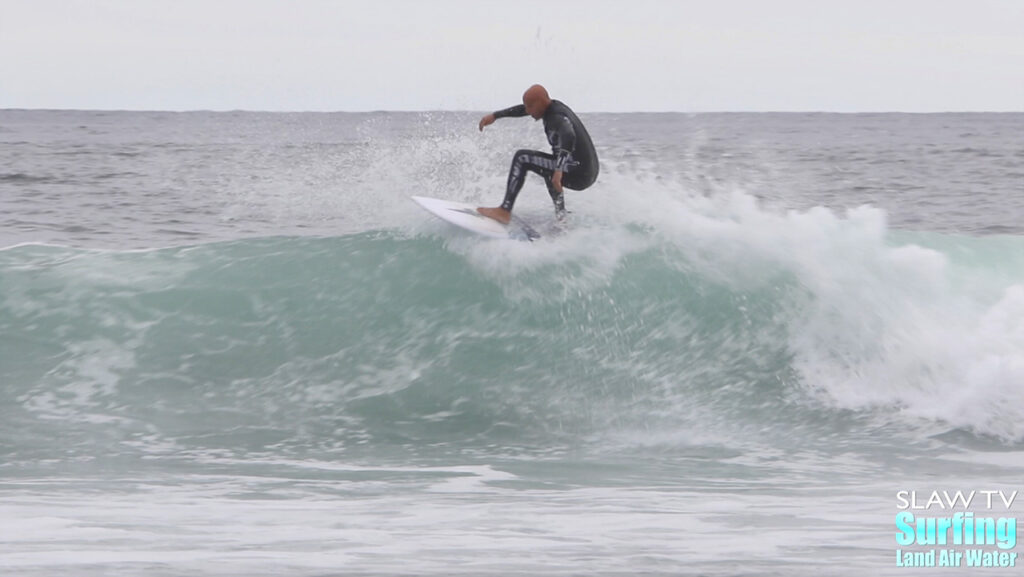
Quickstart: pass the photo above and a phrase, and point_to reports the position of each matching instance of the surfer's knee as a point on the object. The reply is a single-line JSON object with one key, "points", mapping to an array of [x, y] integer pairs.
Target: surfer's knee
{"points": [[522, 155], [519, 159]]}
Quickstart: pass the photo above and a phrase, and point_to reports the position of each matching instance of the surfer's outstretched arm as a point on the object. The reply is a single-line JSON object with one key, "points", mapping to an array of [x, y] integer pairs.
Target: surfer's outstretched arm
{"points": [[510, 112]]}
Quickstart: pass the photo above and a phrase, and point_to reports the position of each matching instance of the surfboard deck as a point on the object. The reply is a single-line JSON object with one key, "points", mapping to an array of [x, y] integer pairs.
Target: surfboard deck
{"points": [[465, 216]]}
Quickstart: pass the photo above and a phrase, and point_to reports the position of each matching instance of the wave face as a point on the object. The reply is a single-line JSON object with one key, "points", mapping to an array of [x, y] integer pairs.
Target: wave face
{"points": [[786, 329]]}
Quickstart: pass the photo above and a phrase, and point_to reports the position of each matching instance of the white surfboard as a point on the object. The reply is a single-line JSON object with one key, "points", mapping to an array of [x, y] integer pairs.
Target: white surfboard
{"points": [[465, 216]]}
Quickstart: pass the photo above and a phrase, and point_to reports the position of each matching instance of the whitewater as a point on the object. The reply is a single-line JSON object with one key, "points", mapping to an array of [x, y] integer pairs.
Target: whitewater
{"points": [[231, 345]]}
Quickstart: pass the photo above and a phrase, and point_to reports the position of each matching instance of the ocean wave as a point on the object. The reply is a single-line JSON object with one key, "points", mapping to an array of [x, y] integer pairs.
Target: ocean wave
{"points": [[744, 327]]}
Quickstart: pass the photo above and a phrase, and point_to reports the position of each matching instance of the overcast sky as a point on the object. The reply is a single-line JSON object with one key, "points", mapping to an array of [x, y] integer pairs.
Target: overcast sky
{"points": [[631, 55]]}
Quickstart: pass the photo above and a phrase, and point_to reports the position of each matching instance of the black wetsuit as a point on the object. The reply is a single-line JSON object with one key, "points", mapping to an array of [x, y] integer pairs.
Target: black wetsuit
{"points": [[574, 155]]}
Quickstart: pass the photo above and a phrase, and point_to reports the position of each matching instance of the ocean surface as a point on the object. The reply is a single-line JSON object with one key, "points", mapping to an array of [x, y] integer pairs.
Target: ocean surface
{"points": [[231, 345]]}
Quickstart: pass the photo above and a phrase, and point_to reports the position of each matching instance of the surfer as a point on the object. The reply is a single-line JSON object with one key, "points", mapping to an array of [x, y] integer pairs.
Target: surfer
{"points": [[572, 165]]}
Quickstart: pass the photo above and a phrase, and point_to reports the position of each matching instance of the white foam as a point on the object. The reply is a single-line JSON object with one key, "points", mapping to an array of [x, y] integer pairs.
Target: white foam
{"points": [[208, 527], [883, 325]]}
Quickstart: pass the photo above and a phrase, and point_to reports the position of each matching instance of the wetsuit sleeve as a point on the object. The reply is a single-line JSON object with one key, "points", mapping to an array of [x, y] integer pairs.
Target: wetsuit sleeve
{"points": [[564, 142], [511, 112]]}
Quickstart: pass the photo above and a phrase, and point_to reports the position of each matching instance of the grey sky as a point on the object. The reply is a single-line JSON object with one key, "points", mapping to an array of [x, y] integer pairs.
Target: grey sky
{"points": [[858, 55]]}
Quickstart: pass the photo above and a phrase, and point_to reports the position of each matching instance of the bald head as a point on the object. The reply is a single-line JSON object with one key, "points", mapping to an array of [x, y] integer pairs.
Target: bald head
{"points": [[536, 100]]}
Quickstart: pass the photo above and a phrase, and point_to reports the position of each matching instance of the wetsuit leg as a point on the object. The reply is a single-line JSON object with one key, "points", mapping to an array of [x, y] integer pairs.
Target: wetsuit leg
{"points": [[525, 161]]}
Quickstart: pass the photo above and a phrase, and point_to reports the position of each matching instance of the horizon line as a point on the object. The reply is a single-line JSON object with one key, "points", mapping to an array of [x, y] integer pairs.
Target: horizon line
{"points": [[467, 111]]}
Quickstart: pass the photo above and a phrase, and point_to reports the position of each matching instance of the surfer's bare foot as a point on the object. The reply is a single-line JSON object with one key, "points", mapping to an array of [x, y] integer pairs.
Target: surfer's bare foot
{"points": [[497, 213]]}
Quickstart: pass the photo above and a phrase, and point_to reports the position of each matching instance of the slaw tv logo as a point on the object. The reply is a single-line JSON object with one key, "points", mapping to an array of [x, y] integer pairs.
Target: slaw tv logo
{"points": [[956, 528]]}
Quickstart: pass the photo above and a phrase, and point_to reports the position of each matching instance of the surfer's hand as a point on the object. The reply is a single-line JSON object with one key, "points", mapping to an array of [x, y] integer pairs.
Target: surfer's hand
{"points": [[556, 181], [487, 121]]}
